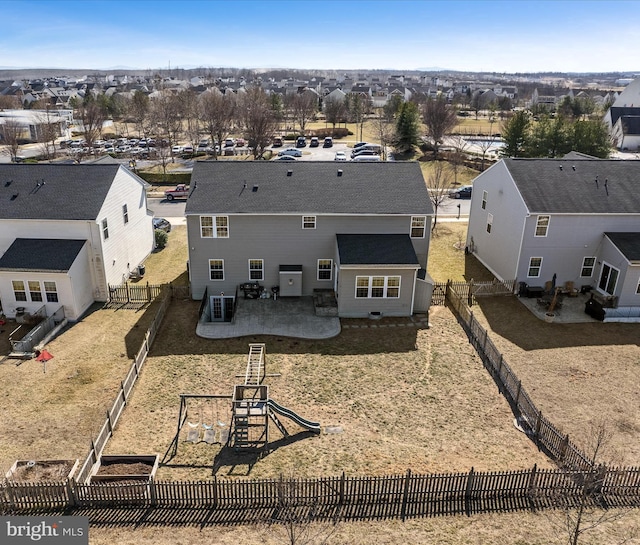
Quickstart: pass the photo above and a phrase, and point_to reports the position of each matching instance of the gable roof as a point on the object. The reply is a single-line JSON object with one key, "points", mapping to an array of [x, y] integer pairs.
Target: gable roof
{"points": [[54, 192], [314, 187], [570, 187], [382, 249], [627, 243], [38, 254]]}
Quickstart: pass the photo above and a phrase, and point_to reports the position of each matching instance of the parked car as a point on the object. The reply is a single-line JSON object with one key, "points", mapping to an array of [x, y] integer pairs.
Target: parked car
{"points": [[176, 149], [285, 158], [359, 145], [314, 143], [301, 142], [367, 158], [362, 151], [290, 151], [463, 192], [340, 156], [181, 191], [277, 142], [162, 224], [187, 150], [229, 142], [240, 142], [328, 142]]}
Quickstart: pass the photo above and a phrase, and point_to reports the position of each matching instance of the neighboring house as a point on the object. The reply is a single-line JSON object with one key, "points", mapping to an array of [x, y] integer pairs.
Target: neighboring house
{"points": [[626, 132], [67, 232], [573, 220], [359, 229], [627, 103]]}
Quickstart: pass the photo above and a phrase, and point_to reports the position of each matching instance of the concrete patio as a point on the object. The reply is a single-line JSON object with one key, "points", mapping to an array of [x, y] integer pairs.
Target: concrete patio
{"points": [[571, 310]]}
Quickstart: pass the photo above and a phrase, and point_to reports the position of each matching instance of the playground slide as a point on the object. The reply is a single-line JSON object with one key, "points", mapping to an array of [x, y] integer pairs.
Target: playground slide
{"points": [[288, 413]]}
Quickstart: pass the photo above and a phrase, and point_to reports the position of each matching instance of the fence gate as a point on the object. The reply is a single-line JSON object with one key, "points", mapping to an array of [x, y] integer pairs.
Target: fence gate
{"points": [[221, 308]]}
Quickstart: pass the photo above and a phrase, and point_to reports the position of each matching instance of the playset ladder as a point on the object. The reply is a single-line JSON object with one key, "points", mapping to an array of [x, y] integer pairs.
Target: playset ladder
{"points": [[255, 365]]}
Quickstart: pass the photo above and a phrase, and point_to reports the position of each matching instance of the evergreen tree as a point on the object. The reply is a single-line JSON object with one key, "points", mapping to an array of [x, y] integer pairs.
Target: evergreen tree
{"points": [[514, 134], [407, 127]]}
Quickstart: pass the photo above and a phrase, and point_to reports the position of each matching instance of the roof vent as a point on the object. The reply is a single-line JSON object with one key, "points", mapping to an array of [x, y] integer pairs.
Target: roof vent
{"points": [[8, 183], [596, 182], [289, 172], [560, 167], [573, 167], [254, 189], [14, 196], [339, 172]]}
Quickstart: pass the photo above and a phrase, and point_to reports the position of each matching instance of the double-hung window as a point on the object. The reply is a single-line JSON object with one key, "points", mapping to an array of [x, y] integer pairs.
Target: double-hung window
{"points": [[105, 229], [588, 263], [125, 214], [542, 226], [216, 269], [51, 292], [256, 269], [35, 292], [535, 264], [214, 226], [485, 195], [19, 291], [418, 226], [325, 269], [308, 222]]}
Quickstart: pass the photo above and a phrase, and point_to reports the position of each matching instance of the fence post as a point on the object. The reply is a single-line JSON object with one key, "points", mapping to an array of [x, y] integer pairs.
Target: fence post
{"points": [[215, 491], [109, 423], [342, 489], [124, 395], [563, 447], [531, 487], [500, 371], [71, 493], [467, 493], [538, 426], [518, 392], [152, 492], [128, 295], [405, 495], [149, 298]]}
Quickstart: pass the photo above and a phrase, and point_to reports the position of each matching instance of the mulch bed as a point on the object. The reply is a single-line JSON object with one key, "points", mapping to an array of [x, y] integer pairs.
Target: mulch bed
{"points": [[134, 468], [42, 472]]}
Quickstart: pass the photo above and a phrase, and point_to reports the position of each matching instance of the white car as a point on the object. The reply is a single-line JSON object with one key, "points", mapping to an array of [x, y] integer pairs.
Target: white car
{"points": [[290, 151], [340, 156]]}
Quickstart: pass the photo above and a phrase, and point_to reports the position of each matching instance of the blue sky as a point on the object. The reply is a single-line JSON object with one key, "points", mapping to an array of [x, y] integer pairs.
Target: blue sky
{"points": [[476, 35]]}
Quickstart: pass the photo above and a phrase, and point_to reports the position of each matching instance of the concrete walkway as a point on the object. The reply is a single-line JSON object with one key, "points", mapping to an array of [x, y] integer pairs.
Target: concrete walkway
{"points": [[287, 317]]}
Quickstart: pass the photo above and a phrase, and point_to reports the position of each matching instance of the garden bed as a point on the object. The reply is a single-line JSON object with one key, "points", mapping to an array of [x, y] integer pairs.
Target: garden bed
{"points": [[42, 470]]}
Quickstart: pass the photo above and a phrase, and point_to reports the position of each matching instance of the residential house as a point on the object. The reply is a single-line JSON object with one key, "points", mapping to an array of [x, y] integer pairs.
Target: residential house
{"points": [[361, 230], [67, 232], [575, 219], [626, 132]]}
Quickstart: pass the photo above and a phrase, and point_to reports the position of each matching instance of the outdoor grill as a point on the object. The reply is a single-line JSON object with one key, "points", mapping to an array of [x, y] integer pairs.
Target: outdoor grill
{"points": [[251, 290]]}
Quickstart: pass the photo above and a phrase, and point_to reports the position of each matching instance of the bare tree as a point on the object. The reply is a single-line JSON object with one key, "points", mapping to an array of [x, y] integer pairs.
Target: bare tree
{"points": [[48, 132], [335, 111], [188, 101], [484, 145], [258, 120], [438, 185], [439, 119], [217, 112], [166, 123], [384, 129], [11, 136], [577, 514], [10, 102], [456, 159], [304, 107], [93, 115], [139, 111]]}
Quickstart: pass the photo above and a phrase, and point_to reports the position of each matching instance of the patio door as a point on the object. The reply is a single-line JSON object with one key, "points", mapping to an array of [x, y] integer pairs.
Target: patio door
{"points": [[221, 308], [608, 279]]}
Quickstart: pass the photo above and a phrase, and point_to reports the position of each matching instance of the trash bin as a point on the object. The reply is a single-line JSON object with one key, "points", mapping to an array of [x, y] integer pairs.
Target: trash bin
{"points": [[141, 270]]}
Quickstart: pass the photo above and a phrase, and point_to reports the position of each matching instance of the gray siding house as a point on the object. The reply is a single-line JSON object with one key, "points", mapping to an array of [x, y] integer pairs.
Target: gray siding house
{"points": [[361, 230], [576, 218]]}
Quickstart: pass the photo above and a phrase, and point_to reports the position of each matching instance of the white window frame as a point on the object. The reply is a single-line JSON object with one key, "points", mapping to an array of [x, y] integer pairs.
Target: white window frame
{"points": [[15, 284], [489, 222], [418, 225], [586, 267], [125, 214], [35, 289], [105, 229], [638, 288], [324, 269], [254, 270], [369, 286], [219, 227], [485, 195], [542, 224], [532, 266], [309, 222], [50, 291], [615, 283], [221, 261]]}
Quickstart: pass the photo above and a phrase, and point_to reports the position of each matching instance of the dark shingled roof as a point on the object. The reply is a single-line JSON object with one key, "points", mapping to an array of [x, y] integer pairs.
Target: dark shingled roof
{"points": [[376, 250], [39, 254], [69, 192], [314, 187], [627, 243], [569, 187]]}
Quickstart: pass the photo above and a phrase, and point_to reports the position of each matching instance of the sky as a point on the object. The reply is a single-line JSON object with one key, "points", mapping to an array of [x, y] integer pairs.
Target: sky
{"points": [[480, 36]]}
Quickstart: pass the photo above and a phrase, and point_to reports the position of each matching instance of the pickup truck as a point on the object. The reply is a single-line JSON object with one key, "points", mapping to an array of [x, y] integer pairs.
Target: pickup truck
{"points": [[181, 191]]}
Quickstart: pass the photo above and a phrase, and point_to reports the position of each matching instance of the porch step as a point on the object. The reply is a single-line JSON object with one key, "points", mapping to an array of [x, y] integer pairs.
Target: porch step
{"points": [[325, 303]]}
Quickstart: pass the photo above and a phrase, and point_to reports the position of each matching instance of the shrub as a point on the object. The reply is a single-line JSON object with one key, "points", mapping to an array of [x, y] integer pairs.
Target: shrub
{"points": [[161, 239], [338, 132]]}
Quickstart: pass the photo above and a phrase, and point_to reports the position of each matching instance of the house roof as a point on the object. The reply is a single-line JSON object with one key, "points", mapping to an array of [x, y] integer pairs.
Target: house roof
{"points": [[587, 186], [38, 254], [627, 243], [54, 192], [376, 250], [314, 187]]}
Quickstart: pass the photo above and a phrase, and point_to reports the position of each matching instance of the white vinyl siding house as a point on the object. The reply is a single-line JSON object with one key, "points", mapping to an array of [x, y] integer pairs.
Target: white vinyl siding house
{"points": [[79, 203]]}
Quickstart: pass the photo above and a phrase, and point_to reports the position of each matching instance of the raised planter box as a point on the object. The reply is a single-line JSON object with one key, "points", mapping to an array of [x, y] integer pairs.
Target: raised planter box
{"points": [[125, 467], [42, 470]]}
